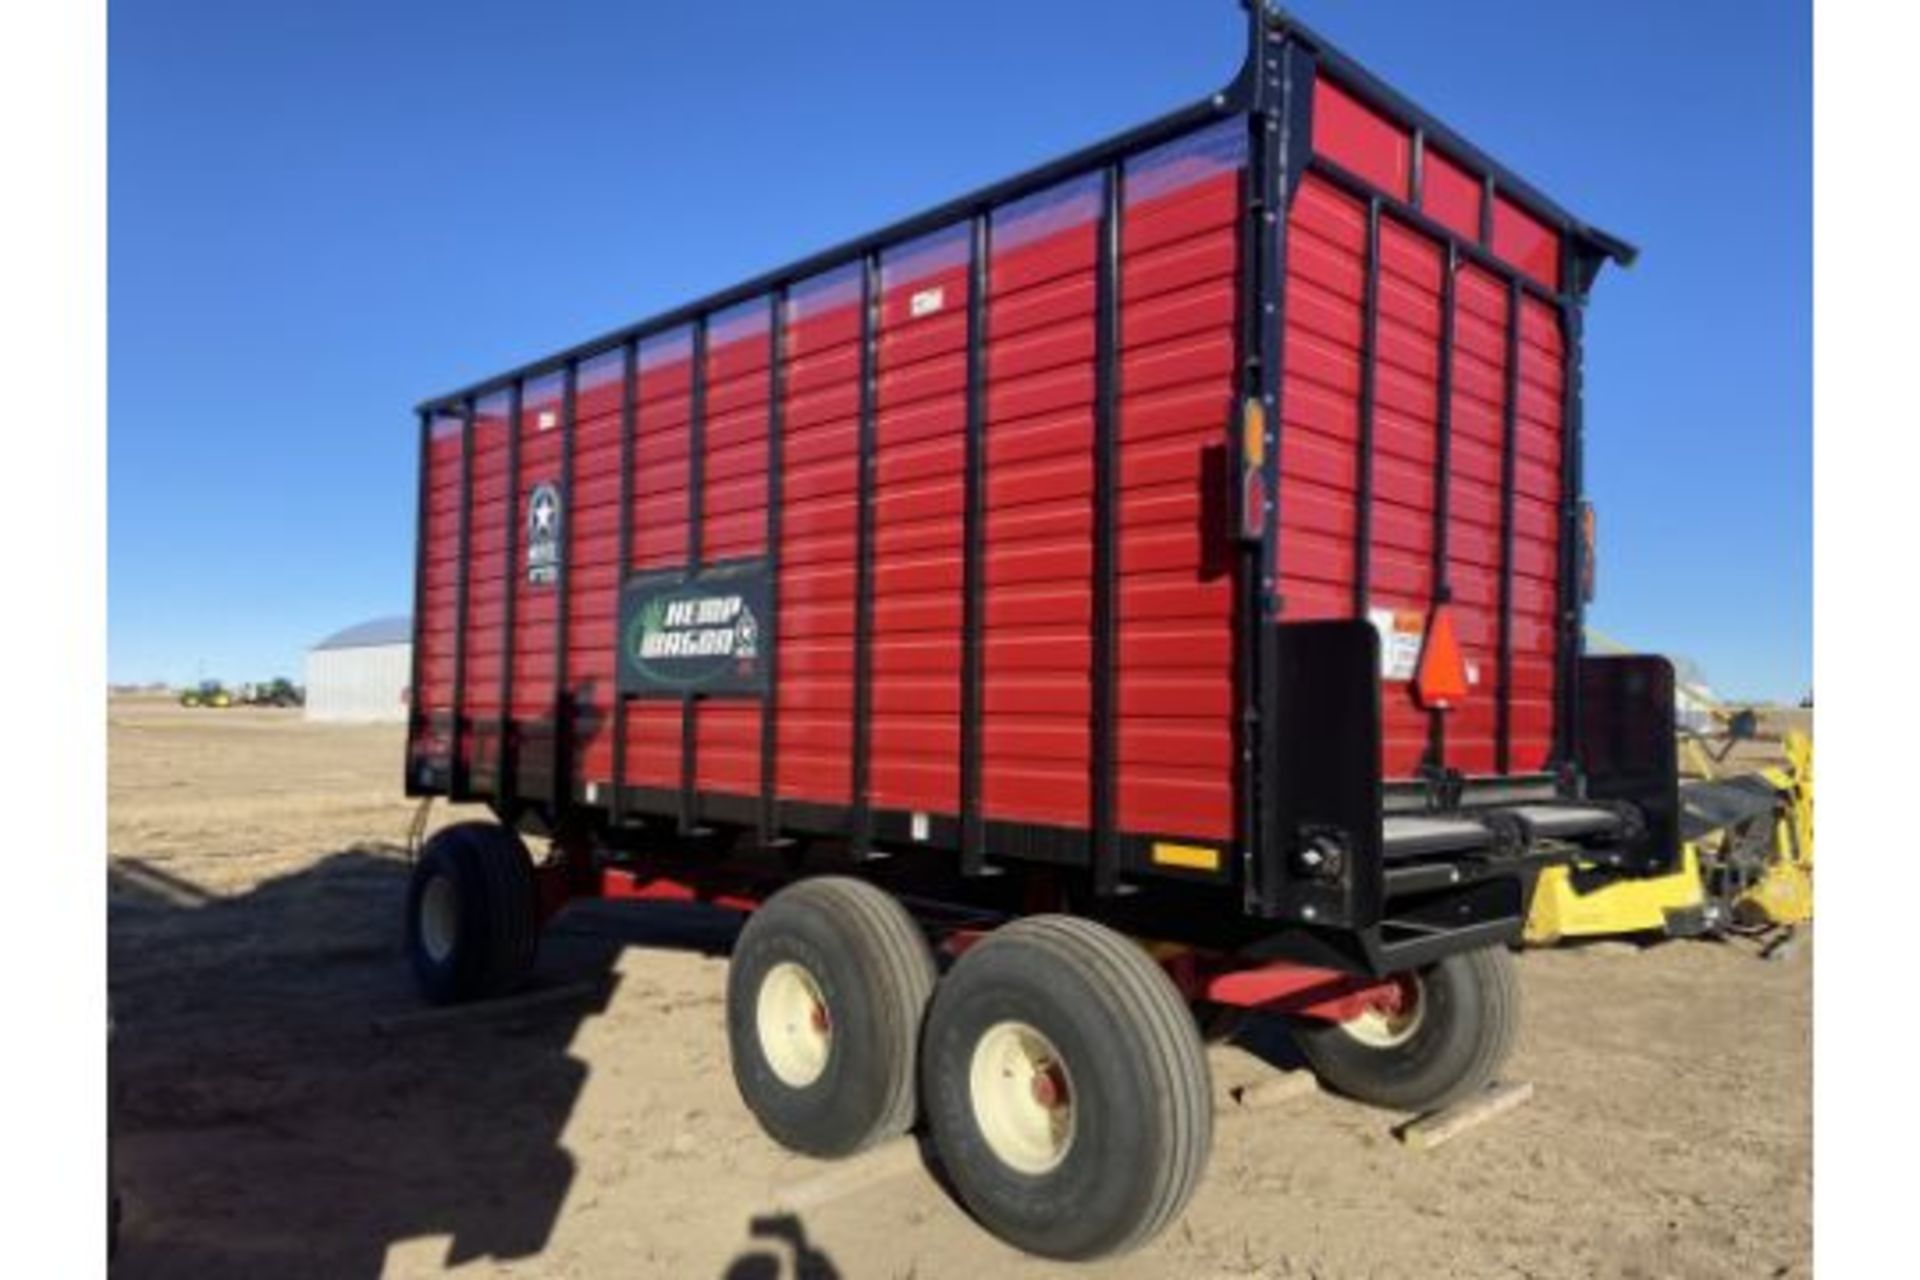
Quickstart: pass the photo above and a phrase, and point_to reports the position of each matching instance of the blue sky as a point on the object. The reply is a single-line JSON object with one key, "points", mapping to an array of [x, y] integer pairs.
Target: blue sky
{"points": [[321, 214]]}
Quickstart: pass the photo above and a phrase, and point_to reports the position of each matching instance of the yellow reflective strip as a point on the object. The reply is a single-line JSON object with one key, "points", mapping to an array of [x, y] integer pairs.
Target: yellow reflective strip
{"points": [[1192, 856]]}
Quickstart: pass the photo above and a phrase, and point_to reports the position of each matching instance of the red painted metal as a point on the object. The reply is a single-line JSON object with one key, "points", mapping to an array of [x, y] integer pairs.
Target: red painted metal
{"points": [[1320, 434], [1180, 268], [619, 885], [555, 886], [1281, 987]]}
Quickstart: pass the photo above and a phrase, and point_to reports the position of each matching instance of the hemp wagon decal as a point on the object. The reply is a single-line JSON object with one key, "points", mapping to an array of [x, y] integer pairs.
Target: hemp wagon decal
{"points": [[709, 634]]}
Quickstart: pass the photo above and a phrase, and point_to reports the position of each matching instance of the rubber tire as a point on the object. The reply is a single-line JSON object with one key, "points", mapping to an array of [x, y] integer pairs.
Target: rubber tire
{"points": [[1141, 1087], [498, 933], [1471, 1019], [876, 972]]}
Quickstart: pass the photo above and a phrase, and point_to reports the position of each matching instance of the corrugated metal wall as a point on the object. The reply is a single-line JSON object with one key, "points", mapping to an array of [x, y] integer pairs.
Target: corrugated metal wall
{"points": [[367, 683]]}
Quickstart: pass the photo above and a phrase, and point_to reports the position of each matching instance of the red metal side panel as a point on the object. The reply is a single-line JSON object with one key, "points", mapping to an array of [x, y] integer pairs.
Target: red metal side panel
{"points": [[919, 505], [1174, 651], [440, 568], [1451, 196], [1037, 653], [1320, 398], [1473, 511], [1405, 461], [593, 561], [1321, 472], [486, 586], [818, 539], [1526, 242], [1360, 139], [1539, 438], [734, 518], [532, 703], [660, 538]]}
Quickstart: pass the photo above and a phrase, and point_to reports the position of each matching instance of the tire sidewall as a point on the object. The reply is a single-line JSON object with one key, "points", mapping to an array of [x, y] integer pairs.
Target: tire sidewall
{"points": [[1073, 1209], [1427, 1070], [831, 1114], [459, 973]]}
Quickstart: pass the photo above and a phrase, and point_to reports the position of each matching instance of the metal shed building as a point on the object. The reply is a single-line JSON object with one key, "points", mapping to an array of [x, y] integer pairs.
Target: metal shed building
{"points": [[361, 673]]}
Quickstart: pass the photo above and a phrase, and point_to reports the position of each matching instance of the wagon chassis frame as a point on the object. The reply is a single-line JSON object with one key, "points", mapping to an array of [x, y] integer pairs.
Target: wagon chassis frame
{"points": [[1298, 685]]}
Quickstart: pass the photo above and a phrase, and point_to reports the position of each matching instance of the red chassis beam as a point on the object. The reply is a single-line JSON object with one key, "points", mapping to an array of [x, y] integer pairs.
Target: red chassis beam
{"points": [[1281, 987]]}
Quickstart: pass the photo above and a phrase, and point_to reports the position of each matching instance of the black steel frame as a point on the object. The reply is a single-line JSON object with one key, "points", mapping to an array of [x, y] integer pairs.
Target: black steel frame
{"points": [[1106, 526], [1273, 93], [505, 762], [458, 782], [1443, 484], [689, 815], [860, 820], [973, 847], [769, 827], [420, 772], [629, 430]]}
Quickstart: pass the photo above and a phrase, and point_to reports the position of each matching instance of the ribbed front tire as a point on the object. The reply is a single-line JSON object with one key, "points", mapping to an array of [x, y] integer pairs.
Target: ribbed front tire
{"points": [[825, 994], [1067, 1089]]}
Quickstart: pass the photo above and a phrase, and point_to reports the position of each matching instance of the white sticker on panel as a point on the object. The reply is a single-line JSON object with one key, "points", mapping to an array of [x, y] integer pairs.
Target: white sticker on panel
{"points": [[1401, 631], [926, 302]]}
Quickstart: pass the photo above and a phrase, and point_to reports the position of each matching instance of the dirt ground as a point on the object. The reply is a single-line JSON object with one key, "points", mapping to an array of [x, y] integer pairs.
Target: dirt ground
{"points": [[264, 1127]]}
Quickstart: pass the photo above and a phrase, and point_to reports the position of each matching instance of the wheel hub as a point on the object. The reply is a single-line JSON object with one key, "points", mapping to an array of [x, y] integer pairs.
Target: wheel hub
{"points": [[1393, 1016], [794, 1024], [1022, 1097], [439, 918]]}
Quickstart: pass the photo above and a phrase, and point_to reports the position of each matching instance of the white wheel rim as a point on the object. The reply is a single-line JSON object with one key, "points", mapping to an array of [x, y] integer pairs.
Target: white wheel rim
{"points": [[795, 1027], [1389, 1027], [439, 917], [1023, 1098]]}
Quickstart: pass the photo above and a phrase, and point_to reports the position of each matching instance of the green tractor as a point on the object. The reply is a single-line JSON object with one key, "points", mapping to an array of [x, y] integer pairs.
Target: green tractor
{"points": [[208, 693], [278, 692]]}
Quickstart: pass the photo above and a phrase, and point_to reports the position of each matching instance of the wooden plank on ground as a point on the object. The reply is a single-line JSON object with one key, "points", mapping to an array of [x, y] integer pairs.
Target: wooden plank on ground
{"points": [[1430, 1131], [490, 1010]]}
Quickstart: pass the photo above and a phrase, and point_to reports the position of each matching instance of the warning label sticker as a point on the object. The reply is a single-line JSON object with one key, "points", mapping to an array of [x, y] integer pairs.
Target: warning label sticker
{"points": [[1401, 631], [926, 302]]}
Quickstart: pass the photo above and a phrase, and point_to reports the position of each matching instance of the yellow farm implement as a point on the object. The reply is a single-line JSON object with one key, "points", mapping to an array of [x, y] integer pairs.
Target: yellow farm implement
{"points": [[1746, 858]]}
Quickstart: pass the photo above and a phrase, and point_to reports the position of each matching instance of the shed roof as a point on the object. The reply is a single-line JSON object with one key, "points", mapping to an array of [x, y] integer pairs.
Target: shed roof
{"points": [[371, 633]]}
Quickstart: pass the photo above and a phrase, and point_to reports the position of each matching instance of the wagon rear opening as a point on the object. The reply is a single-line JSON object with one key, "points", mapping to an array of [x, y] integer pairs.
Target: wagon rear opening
{"points": [[1181, 540]]}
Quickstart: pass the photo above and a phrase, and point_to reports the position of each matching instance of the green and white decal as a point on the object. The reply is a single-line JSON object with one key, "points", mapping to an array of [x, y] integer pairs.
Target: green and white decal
{"points": [[708, 634]]}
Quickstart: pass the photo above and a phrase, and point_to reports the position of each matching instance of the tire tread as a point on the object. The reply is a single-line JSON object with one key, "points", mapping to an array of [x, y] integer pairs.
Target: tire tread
{"points": [[1176, 1060]]}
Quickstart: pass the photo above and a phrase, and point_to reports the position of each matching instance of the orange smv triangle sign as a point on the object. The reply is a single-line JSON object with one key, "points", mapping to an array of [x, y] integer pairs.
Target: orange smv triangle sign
{"points": [[1442, 678]]}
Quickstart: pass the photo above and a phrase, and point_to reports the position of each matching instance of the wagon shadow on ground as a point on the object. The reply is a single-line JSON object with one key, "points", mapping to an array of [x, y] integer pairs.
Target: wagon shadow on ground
{"points": [[262, 1126]]}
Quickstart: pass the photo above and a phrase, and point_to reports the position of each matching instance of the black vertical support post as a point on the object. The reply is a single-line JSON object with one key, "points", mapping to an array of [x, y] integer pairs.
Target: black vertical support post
{"points": [[1363, 450], [1509, 477], [459, 785], [696, 515], [505, 781], [776, 461], [629, 409], [973, 844], [861, 815], [1106, 527], [416, 719], [560, 762], [1280, 122], [1572, 477], [1443, 476]]}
